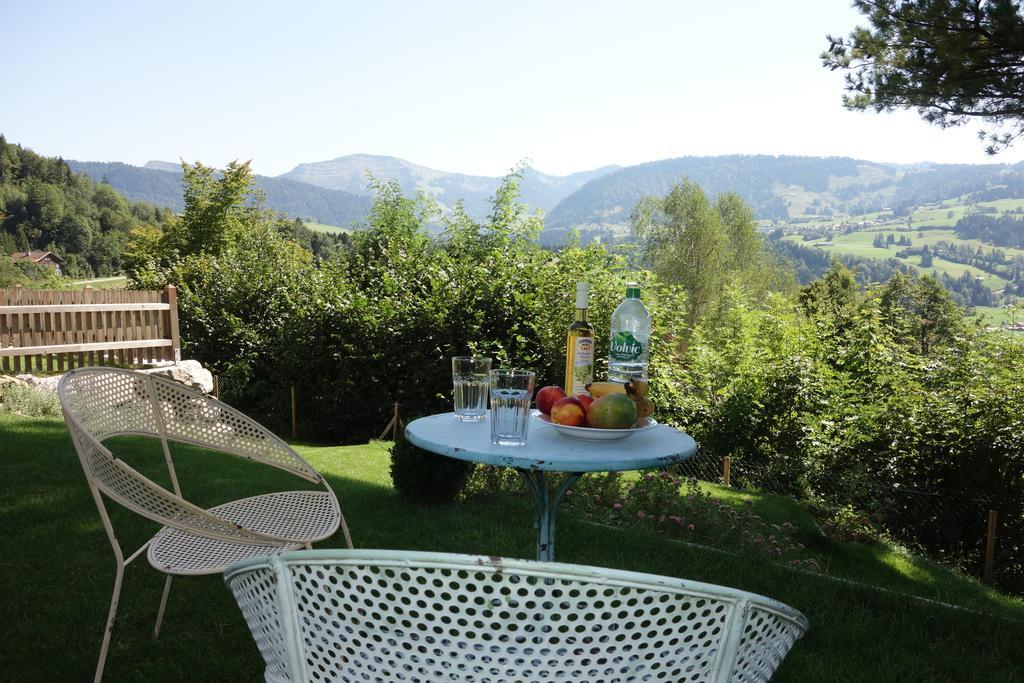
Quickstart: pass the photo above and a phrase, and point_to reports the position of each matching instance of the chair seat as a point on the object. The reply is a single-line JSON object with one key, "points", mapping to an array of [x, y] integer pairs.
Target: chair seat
{"points": [[306, 515]]}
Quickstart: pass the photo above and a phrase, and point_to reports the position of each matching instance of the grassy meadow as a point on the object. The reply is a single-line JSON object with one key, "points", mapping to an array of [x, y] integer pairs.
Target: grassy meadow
{"points": [[877, 613], [323, 227]]}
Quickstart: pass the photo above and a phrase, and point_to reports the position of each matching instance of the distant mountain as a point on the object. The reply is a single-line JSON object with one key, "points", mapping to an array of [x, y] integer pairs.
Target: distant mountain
{"points": [[160, 184], [163, 166], [784, 188], [762, 181], [598, 203], [349, 173]]}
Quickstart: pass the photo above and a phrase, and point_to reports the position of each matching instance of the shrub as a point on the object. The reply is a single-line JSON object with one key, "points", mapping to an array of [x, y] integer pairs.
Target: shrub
{"points": [[426, 478], [29, 401]]}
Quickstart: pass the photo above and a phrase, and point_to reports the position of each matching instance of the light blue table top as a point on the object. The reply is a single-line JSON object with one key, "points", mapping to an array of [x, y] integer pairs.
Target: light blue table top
{"points": [[548, 450]]}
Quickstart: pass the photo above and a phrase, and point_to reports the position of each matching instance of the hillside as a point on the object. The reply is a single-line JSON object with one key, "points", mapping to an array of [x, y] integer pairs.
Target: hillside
{"points": [[45, 206], [349, 173], [788, 189], [159, 183]]}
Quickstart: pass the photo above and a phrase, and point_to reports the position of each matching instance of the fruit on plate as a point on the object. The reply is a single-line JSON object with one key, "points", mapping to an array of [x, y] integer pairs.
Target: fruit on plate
{"points": [[569, 411], [546, 398], [637, 388], [644, 408], [585, 400], [611, 411], [599, 389]]}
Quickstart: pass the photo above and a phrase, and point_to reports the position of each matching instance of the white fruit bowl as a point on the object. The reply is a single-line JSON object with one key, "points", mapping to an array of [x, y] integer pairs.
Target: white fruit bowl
{"points": [[592, 434]]}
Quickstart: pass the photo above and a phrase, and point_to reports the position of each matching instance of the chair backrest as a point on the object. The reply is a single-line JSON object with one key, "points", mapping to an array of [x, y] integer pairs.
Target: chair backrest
{"points": [[100, 403], [397, 615], [108, 402]]}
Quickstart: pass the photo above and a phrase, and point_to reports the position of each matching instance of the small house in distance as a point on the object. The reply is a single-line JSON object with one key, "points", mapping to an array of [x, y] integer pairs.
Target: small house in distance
{"points": [[43, 258]]}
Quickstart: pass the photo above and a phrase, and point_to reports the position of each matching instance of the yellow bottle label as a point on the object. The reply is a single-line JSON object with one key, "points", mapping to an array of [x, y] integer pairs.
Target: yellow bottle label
{"points": [[580, 365]]}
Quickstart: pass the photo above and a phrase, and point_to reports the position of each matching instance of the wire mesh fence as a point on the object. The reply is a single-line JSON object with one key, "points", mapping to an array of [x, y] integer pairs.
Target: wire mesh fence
{"points": [[972, 533], [957, 531]]}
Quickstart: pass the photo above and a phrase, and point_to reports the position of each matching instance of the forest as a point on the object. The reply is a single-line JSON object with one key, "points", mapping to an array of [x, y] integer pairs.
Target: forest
{"points": [[46, 206]]}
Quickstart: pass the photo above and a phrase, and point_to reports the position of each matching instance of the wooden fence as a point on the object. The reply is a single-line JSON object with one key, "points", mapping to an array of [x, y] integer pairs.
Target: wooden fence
{"points": [[57, 330]]}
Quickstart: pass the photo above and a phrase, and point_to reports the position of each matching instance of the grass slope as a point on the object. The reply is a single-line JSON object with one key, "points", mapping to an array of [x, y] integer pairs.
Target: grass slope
{"points": [[57, 573], [859, 243], [323, 227]]}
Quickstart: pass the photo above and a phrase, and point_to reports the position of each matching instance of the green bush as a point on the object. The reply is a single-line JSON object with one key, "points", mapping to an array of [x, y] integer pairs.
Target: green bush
{"points": [[29, 401], [426, 478]]}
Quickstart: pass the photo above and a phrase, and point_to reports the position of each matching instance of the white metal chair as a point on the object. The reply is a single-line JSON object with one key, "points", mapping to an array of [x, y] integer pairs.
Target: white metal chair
{"points": [[100, 403], [378, 615]]}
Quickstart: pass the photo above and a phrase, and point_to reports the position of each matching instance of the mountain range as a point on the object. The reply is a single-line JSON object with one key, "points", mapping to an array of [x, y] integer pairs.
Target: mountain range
{"points": [[780, 189]]}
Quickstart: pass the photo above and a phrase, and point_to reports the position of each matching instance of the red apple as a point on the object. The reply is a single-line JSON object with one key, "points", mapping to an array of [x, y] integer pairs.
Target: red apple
{"points": [[586, 400], [546, 398], [569, 411]]}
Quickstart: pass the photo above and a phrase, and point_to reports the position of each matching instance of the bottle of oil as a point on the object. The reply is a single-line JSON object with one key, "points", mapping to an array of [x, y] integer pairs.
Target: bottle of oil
{"points": [[579, 347]]}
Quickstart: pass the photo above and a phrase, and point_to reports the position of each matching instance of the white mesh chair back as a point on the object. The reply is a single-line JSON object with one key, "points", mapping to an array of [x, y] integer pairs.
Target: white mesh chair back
{"points": [[107, 402], [100, 403], [375, 615]]}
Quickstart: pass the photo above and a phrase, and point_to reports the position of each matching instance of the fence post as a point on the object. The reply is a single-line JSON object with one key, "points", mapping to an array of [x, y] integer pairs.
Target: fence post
{"points": [[990, 545], [216, 387], [726, 469], [295, 428], [171, 298], [393, 426]]}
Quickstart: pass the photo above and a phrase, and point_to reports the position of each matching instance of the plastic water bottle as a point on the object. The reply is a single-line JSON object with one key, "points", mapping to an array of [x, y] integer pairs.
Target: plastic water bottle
{"points": [[629, 343]]}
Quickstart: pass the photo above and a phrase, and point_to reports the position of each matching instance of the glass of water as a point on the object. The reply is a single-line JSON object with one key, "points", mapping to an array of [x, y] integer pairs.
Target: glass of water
{"points": [[511, 391], [470, 377]]}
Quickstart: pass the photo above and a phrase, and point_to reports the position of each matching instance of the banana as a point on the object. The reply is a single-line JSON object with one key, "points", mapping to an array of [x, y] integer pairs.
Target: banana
{"points": [[644, 408], [599, 389], [637, 388]]}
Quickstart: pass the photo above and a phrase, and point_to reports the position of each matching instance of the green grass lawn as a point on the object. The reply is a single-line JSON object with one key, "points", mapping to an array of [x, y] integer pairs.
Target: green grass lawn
{"points": [[323, 227], [876, 615], [998, 315], [116, 282], [859, 243]]}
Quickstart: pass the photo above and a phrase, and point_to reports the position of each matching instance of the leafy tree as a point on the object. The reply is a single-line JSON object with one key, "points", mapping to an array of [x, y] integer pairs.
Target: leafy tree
{"points": [[687, 240], [953, 60], [217, 209]]}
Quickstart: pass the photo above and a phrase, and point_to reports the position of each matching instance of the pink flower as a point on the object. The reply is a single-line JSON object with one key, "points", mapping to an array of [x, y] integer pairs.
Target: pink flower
{"points": [[640, 514], [692, 528], [617, 506]]}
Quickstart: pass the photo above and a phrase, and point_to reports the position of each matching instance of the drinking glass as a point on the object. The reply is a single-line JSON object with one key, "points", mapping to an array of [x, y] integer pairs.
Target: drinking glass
{"points": [[470, 381], [511, 391]]}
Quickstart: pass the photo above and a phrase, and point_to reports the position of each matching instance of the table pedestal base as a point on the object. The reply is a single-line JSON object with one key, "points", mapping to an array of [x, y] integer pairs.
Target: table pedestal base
{"points": [[547, 508]]}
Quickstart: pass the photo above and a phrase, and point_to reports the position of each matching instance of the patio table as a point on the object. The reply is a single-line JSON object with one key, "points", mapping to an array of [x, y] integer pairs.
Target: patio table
{"points": [[548, 451]]}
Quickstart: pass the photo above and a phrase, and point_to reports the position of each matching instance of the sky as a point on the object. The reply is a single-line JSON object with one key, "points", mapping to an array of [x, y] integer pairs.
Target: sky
{"points": [[471, 87]]}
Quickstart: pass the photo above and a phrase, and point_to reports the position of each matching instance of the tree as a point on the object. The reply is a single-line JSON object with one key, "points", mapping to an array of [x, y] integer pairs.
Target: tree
{"points": [[684, 242], [217, 210], [954, 61]]}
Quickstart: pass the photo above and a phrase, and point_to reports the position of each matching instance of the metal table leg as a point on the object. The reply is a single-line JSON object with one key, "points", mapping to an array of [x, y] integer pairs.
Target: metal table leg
{"points": [[547, 509]]}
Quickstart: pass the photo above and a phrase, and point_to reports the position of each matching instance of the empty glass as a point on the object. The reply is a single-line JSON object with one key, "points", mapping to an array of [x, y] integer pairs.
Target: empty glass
{"points": [[511, 391], [470, 378]]}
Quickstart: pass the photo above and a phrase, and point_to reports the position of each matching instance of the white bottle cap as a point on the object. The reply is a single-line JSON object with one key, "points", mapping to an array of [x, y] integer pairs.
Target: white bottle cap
{"points": [[582, 291]]}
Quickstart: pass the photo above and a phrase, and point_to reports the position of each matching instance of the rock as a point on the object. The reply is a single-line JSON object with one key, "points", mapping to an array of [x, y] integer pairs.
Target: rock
{"points": [[41, 383], [10, 379], [188, 372]]}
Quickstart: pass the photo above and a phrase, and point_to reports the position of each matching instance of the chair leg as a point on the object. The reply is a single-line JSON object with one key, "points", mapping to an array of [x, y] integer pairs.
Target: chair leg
{"points": [[344, 530], [110, 622], [163, 604]]}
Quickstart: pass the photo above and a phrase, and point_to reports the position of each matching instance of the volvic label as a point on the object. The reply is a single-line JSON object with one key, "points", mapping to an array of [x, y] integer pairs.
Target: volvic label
{"points": [[582, 365], [625, 348]]}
